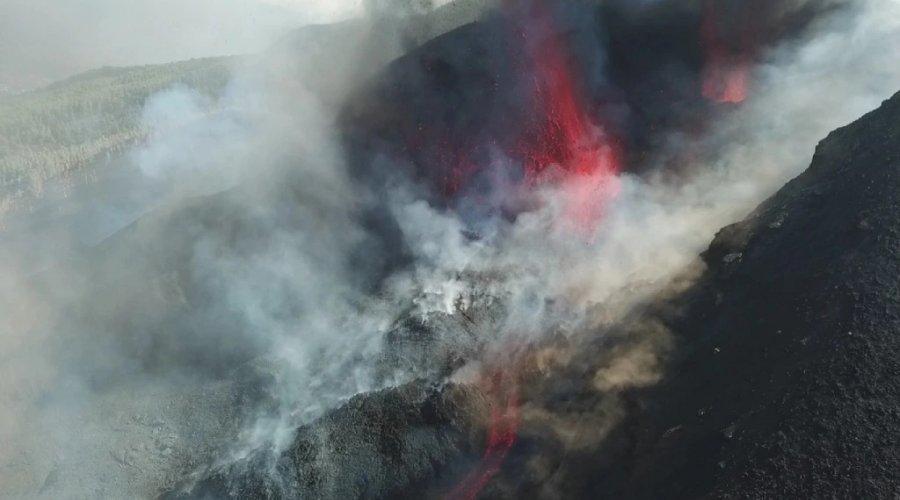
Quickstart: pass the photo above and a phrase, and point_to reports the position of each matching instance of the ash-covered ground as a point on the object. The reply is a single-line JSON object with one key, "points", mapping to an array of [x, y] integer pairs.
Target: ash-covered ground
{"points": [[473, 272], [777, 380], [780, 381]]}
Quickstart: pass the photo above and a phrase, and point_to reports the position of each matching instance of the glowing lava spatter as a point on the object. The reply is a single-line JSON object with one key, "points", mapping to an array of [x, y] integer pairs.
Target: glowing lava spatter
{"points": [[726, 75], [556, 142], [565, 137], [564, 147], [500, 386]]}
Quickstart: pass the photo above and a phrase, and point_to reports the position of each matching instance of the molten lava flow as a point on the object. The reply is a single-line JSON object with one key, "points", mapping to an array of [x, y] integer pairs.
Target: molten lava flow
{"points": [[727, 72], [500, 386], [561, 147], [565, 137], [555, 142], [725, 81]]}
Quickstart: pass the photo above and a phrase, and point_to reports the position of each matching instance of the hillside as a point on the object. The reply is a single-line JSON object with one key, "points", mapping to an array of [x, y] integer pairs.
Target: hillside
{"points": [[782, 383], [370, 311], [47, 132], [60, 128], [779, 381]]}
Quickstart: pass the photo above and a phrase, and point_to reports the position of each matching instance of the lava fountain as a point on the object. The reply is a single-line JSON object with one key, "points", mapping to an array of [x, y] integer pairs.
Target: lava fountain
{"points": [[563, 146], [726, 75]]}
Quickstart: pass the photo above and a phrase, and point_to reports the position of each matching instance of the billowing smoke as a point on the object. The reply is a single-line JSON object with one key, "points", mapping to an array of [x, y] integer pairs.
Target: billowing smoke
{"points": [[540, 172]]}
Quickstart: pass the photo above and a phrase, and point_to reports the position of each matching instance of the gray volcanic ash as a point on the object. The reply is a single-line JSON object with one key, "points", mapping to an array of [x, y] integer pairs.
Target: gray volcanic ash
{"points": [[778, 381], [433, 278]]}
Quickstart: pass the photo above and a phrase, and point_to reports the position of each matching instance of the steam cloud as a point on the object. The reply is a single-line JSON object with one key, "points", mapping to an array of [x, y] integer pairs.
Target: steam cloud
{"points": [[258, 295]]}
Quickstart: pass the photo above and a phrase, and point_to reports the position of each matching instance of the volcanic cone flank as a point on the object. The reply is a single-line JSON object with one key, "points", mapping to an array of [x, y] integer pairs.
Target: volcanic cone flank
{"points": [[782, 381]]}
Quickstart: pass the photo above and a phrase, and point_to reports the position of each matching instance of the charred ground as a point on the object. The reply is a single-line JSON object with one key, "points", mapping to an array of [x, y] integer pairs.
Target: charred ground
{"points": [[779, 378], [782, 381], [778, 361], [446, 111]]}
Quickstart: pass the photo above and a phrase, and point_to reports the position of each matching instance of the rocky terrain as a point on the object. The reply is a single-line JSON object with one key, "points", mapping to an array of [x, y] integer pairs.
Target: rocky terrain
{"points": [[269, 340], [782, 384], [380, 445], [763, 372], [778, 378]]}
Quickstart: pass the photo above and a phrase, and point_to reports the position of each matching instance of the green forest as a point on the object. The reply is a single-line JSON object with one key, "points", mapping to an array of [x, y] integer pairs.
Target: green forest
{"points": [[48, 132]]}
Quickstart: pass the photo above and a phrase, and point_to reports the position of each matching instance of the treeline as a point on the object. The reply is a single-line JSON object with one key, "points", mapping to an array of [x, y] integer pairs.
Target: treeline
{"points": [[54, 130]]}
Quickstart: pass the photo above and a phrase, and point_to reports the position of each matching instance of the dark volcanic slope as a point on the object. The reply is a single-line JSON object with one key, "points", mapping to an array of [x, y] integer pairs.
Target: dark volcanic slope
{"points": [[380, 445], [785, 380], [446, 111]]}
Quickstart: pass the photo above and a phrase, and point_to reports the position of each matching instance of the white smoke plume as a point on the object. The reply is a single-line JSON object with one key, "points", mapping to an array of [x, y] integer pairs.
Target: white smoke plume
{"points": [[117, 368], [658, 223]]}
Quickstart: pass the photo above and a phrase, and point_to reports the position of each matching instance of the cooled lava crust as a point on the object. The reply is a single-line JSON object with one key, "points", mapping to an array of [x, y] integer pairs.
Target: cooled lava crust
{"points": [[784, 379]]}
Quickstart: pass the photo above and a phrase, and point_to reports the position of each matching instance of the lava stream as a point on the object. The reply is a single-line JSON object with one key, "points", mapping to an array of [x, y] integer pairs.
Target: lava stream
{"points": [[565, 137], [500, 386], [726, 75]]}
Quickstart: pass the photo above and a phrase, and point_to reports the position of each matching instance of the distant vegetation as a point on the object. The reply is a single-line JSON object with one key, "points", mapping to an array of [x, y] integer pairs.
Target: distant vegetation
{"points": [[53, 131], [48, 132]]}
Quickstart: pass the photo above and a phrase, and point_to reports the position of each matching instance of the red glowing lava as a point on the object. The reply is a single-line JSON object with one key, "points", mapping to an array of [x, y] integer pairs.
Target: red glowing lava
{"points": [[556, 142], [500, 386], [726, 75], [566, 138], [563, 147]]}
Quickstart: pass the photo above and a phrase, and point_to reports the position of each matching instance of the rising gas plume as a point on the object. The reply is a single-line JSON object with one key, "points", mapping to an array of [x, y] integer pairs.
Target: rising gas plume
{"points": [[533, 176]]}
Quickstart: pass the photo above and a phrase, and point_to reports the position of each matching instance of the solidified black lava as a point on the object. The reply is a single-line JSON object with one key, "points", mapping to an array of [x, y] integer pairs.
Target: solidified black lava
{"points": [[388, 444], [784, 382], [466, 98]]}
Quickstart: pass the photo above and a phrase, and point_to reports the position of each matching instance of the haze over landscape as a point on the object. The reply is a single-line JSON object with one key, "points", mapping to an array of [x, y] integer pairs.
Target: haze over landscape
{"points": [[46, 40], [278, 249]]}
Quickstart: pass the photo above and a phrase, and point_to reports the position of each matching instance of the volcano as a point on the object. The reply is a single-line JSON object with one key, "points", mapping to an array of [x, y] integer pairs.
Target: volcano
{"points": [[483, 269], [779, 381], [780, 384], [546, 91]]}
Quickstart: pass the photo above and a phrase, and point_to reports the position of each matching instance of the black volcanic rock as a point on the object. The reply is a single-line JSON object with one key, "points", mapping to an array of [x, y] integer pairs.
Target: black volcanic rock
{"points": [[443, 113], [388, 444], [784, 382]]}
